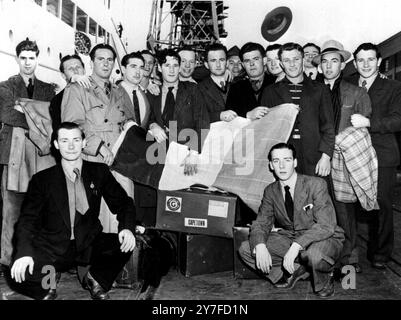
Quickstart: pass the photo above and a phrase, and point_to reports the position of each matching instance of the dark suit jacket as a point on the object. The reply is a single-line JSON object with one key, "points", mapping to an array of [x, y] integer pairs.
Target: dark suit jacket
{"points": [[312, 225], [385, 95], [215, 99], [55, 110], [10, 91], [45, 217], [241, 97], [190, 112], [316, 123], [129, 107]]}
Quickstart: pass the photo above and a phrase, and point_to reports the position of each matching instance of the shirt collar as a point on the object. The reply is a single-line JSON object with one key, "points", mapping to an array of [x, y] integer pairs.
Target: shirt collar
{"points": [[217, 80], [129, 87], [68, 168], [166, 86], [369, 81], [99, 81]]}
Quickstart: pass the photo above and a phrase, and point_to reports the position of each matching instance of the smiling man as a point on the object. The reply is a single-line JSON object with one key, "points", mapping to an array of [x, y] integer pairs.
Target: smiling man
{"points": [[188, 63], [59, 225], [385, 95], [313, 131], [351, 107], [306, 237], [23, 85]]}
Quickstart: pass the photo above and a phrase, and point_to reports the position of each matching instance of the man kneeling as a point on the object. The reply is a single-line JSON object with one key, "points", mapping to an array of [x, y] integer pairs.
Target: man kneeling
{"points": [[305, 235], [59, 225]]}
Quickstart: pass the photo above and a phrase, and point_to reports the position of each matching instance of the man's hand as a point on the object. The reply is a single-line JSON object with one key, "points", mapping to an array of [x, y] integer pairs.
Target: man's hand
{"points": [[263, 258], [280, 77], [359, 121], [82, 80], [228, 115], [228, 75], [323, 167], [107, 155], [153, 88], [158, 132], [190, 163], [290, 256], [127, 240], [257, 113], [19, 267]]}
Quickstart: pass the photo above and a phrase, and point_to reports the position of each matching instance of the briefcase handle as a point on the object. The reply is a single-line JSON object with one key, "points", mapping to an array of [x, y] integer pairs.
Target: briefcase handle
{"points": [[199, 186]]}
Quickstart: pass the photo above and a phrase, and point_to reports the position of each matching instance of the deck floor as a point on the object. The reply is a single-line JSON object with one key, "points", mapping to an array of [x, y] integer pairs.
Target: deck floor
{"points": [[371, 284]]}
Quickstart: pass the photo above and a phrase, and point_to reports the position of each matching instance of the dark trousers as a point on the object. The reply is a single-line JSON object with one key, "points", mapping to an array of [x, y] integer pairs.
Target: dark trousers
{"points": [[381, 226], [106, 262], [1, 205], [320, 256]]}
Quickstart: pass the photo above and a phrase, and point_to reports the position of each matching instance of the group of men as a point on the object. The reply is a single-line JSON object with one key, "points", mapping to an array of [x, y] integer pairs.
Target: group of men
{"points": [[89, 115]]}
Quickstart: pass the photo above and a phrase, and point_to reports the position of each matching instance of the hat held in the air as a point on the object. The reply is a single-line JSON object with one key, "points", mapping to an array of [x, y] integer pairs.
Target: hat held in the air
{"points": [[331, 46]]}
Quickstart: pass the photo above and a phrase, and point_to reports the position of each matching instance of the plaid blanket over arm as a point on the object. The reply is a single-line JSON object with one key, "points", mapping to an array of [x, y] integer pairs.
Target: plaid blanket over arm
{"points": [[355, 168]]}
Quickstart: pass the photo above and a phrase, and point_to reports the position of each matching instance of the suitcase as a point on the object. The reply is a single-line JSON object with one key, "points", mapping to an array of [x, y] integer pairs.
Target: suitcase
{"points": [[200, 254], [197, 211], [241, 270]]}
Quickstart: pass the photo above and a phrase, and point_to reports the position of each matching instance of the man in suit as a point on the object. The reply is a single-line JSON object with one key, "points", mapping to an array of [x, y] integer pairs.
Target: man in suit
{"points": [[188, 63], [245, 96], [214, 88], [313, 131], [179, 106], [349, 102], [23, 85], [59, 225], [311, 50], [306, 236], [385, 95]]}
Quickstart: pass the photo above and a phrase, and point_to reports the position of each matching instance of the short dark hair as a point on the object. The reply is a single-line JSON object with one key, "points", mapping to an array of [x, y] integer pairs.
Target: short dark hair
{"points": [[367, 46], [148, 52], [68, 126], [163, 54], [27, 45], [102, 46], [273, 47], [132, 55], [282, 145], [251, 46], [289, 46], [70, 57], [311, 44], [215, 47]]}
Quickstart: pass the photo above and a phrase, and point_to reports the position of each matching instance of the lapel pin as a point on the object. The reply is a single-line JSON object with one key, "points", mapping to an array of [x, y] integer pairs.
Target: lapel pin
{"points": [[92, 186], [308, 207]]}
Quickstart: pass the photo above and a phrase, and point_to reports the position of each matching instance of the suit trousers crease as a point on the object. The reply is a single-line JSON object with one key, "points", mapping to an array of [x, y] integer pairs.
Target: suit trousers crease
{"points": [[106, 262], [319, 256]]}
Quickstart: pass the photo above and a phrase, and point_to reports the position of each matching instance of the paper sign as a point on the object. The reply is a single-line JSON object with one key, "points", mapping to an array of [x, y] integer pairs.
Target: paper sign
{"points": [[218, 209]]}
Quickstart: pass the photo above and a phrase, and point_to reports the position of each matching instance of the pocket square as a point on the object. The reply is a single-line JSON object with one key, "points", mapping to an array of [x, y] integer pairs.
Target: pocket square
{"points": [[308, 207]]}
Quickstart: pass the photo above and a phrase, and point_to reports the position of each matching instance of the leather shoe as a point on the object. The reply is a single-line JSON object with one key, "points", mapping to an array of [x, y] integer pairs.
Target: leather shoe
{"points": [[95, 289], [289, 283], [51, 295], [357, 266], [379, 265], [328, 289]]}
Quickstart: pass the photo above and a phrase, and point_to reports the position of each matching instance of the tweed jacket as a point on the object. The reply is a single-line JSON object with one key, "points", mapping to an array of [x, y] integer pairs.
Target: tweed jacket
{"points": [[316, 223]]}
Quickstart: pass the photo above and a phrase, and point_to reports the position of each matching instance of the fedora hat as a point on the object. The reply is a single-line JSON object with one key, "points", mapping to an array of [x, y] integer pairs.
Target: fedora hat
{"points": [[276, 23], [329, 47]]}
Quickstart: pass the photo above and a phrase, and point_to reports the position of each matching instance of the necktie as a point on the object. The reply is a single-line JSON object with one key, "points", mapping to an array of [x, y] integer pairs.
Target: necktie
{"points": [[136, 108], [256, 84], [223, 86], [364, 83], [107, 89], [289, 204], [81, 201], [30, 88], [169, 106]]}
